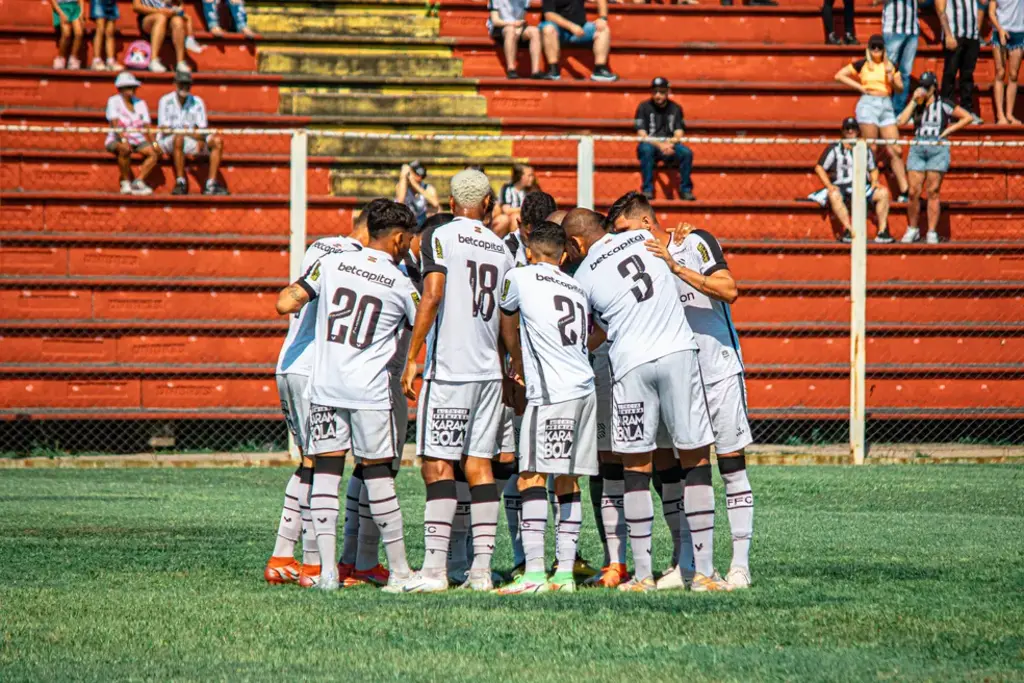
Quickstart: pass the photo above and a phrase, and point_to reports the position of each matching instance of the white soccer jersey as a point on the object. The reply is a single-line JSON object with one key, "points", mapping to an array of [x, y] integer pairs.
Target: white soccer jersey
{"points": [[635, 295], [462, 345], [296, 355], [362, 303], [710, 319], [554, 322], [515, 244]]}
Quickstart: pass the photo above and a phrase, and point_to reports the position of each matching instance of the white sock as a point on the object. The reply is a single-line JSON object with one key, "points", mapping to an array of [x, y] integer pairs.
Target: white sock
{"points": [[310, 553], [672, 507], [387, 515], [567, 538], [323, 505], [458, 556], [437, 525], [639, 512], [612, 516], [367, 549], [513, 512], [699, 502], [290, 526], [352, 492], [534, 525], [739, 504], [483, 515]]}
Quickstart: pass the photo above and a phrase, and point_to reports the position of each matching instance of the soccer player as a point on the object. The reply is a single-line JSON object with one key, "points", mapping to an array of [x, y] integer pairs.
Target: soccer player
{"points": [[365, 301], [709, 289], [460, 409], [294, 364], [547, 309], [537, 206], [653, 355]]}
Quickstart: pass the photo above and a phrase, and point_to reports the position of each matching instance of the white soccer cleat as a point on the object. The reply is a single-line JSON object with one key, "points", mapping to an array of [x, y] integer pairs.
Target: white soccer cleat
{"points": [[911, 235], [738, 578], [479, 580], [327, 581], [396, 583], [675, 579], [423, 583]]}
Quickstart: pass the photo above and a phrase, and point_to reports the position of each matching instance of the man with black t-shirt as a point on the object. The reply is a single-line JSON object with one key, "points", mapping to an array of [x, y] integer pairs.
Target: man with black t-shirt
{"points": [[565, 23], [660, 117]]}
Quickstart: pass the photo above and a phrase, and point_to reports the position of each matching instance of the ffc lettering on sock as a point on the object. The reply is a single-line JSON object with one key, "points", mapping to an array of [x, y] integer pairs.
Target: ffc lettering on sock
{"points": [[739, 505], [437, 524]]}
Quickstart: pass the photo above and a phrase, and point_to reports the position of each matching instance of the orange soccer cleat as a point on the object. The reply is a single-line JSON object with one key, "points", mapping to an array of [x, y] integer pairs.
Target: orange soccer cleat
{"points": [[281, 570], [609, 577], [308, 575], [378, 576]]}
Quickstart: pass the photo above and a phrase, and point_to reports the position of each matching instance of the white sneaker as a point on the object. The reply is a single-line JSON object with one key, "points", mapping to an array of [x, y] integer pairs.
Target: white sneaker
{"points": [[183, 67], [126, 187], [738, 578], [59, 63], [932, 238], [141, 189], [675, 579], [422, 583], [114, 65], [74, 63], [396, 583], [98, 65], [478, 581], [327, 581], [156, 66], [910, 236], [193, 46]]}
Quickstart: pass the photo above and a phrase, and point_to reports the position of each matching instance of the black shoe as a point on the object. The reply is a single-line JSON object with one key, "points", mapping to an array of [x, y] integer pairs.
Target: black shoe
{"points": [[604, 74], [687, 196], [726, 3], [180, 188], [833, 39], [883, 237], [761, 3], [846, 237], [512, 74], [553, 75], [538, 75], [850, 39], [215, 188]]}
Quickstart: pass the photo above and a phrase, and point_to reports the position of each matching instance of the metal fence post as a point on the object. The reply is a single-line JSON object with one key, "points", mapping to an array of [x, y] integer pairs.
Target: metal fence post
{"points": [[296, 225], [858, 303], [585, 173]]}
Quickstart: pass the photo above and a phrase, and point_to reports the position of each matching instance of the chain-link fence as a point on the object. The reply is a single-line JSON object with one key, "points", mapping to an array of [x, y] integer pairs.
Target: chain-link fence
{"points": [[134, 322]]}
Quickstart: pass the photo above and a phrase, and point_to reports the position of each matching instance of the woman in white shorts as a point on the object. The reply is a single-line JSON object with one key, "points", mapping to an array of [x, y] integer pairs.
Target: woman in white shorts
{"points": [[928, 162], [876, 78]]}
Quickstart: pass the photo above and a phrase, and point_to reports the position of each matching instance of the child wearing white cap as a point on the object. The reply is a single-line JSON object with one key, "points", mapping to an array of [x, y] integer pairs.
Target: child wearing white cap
{"points": [[128, 115]]}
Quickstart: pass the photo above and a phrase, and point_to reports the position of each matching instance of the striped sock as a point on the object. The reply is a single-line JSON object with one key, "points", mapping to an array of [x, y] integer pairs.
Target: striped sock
{"points": [[310, 553], [699, 503], [437, 525], [367, 549], [567, 538], [323, 505], [639, 512], [351, 543], [483, 514], [535, 520], [739, 504], [387, 515], [290, 526]]}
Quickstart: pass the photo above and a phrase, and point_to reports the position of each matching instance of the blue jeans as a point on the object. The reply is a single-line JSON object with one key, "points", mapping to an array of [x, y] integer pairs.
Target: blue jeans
{"points": [[649, 155], [238, 16], [901, 49]]}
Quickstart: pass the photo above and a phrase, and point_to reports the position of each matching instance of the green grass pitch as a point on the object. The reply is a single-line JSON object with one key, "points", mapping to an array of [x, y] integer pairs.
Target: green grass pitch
{"points": [[893, 573]]}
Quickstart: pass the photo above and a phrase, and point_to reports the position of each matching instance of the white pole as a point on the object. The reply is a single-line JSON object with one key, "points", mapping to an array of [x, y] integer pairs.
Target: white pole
{"points": [[585, 173], [858, 303], [296, 227]]}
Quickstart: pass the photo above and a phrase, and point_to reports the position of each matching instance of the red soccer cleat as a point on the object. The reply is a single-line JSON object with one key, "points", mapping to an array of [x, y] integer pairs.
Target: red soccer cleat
{"points": [[345, 571], [281, 570], [378, 576]]}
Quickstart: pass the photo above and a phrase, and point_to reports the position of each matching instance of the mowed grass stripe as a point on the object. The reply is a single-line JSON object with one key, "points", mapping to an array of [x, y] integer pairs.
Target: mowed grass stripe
{"points": [[904, 573]]}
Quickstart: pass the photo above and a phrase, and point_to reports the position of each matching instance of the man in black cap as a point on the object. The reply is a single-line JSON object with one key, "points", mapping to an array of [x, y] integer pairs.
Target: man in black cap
{"points": [[413, 191], [660, 117], [183, 110], [835, 169]]}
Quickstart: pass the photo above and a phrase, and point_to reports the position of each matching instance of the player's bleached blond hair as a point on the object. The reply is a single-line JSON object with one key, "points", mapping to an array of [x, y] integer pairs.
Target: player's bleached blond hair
{"points": [[470, 188]]}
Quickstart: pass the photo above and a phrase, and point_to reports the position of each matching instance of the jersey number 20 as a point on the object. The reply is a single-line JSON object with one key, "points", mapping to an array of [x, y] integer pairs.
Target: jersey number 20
{"points": [[367, 313]]}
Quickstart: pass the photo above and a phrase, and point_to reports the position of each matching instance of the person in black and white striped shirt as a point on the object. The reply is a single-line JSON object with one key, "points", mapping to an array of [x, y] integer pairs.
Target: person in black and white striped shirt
{"points": [[510, 198], [962, 44], [900, 29]]}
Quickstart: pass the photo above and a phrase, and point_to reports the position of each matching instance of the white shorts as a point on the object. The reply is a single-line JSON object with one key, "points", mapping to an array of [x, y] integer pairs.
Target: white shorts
{"points": [[727, 401], [192, 146], [560, 438], [507, 436], [369, 434], [603, 389], [458, 418], [290, 389], [666, 391]]}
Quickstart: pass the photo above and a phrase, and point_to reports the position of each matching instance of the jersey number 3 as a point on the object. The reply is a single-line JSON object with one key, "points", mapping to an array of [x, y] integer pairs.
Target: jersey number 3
{"points": [[633, 267], [367, 315], [483, 280]]}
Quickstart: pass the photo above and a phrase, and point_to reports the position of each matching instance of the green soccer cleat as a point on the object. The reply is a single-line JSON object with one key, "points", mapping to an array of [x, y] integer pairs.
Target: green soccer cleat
{"points": [[562, 582], [525, 583]]}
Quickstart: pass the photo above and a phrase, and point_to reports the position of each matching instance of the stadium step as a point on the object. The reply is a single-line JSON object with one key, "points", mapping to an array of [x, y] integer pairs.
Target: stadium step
{"points": [[376, 103], [350, 22], [380, 63]]}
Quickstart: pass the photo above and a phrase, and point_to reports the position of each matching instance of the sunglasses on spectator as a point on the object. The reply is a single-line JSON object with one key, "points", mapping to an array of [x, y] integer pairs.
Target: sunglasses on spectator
{"points": [[877, 48]]}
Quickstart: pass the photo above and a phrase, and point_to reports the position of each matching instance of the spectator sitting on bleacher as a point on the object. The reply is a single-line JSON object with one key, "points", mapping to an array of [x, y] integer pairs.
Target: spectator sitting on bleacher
{"points": [[660, 117], [414, 192], [128, 112], [105, 14], [67, 18], [183, 110], [154, 17], [506, 22], [211, 9], [835, 169], [565, 23], [510, 198]]}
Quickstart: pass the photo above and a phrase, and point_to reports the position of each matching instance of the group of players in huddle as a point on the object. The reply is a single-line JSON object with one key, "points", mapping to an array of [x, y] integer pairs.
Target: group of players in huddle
{"points": [[580, 345]]}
